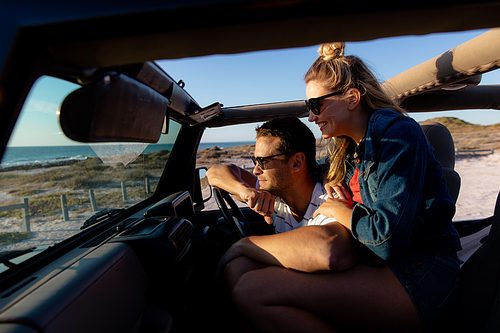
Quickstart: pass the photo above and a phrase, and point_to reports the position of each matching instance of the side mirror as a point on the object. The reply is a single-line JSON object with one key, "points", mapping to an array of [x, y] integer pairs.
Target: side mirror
{"points": [[202, 189]]}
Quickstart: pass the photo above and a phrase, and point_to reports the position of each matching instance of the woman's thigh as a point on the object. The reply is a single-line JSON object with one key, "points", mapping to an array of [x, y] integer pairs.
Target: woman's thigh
{"points": [[362, 297]]}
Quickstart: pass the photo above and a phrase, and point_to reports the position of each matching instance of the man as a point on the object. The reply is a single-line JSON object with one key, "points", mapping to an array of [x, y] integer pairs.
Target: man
{"points": [[281, 188]]}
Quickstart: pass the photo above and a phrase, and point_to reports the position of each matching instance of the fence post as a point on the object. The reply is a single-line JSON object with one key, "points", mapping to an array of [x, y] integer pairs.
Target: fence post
{"points": [[93, 204], [148, 189], [64, 208], [124, 192], [26, 216]]}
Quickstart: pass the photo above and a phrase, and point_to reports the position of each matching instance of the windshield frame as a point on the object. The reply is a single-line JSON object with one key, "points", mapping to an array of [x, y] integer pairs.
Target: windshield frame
{"points": [[52, 104]]}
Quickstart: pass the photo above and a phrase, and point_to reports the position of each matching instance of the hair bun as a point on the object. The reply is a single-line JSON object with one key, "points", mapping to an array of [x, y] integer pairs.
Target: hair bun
{"points": [[331, 50]]}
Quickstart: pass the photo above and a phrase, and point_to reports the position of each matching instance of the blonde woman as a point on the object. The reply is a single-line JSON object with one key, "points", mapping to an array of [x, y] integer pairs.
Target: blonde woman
{"points": [[401, 219]]}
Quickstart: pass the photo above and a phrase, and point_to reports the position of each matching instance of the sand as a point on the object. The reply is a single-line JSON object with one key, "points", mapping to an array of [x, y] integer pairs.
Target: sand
{"points": [[480, 186]]}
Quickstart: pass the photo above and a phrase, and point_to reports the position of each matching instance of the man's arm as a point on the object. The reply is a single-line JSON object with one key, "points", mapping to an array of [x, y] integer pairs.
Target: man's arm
{"points": [[308, 249], [241, 184], [232, 179]]}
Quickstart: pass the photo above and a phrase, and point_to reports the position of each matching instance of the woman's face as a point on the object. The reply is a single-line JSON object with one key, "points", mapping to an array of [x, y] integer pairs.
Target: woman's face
{"points": [[333, 119]]}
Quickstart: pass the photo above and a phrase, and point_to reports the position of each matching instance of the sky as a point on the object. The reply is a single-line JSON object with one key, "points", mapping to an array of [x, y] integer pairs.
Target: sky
{"points": [[273, 76], [264, 77]]}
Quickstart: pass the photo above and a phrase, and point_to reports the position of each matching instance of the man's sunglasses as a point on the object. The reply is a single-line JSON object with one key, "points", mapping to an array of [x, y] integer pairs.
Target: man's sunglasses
{"points": [[262, 160], [313, 104]]}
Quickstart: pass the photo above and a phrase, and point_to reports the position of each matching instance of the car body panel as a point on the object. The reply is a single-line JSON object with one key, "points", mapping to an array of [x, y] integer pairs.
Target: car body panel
{"points": [[99, 281]]}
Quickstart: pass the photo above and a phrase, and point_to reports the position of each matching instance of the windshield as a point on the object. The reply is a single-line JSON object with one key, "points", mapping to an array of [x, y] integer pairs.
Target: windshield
{"points": [[50, 185]]}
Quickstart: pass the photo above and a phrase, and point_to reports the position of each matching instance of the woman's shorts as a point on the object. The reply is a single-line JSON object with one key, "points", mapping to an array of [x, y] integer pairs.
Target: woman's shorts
{"points": [[432, 281]]}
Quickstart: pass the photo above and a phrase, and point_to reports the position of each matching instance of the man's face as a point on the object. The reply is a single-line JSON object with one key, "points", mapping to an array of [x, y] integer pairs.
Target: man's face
{"points": [[276, 175]]}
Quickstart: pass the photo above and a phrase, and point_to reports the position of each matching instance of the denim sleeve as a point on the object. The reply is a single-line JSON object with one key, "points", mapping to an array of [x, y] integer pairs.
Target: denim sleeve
{"points": [[390, 211]]}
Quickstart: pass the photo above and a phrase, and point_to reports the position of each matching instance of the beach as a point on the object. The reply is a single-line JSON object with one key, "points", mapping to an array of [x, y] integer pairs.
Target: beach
{"points": [[480, 186]]}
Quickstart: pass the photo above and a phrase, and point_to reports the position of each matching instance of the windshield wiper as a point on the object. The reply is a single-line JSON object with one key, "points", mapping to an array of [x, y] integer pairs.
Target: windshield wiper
{"points": [[101, 216], [6, 256]]}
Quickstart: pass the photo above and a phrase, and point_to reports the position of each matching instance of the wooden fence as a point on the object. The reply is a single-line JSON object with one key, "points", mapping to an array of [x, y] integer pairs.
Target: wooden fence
{"points": [[477, 152], [24, 205]]}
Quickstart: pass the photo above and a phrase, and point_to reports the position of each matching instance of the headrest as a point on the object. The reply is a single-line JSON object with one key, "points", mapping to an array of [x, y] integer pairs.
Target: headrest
{"points": [[440, 138]]}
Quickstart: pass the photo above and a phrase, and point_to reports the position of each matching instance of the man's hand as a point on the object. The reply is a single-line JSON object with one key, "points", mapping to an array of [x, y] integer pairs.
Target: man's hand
{"points": [[241, 184], [259, 201]]}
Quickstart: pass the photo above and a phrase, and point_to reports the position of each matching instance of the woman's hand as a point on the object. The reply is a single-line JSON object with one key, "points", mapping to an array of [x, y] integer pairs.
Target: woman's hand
{"points": [[338, 192], [339, 209]]}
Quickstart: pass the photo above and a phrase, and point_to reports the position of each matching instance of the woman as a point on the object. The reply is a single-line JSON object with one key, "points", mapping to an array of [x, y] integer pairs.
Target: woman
{"points": [[389, 264], [403, 212]]}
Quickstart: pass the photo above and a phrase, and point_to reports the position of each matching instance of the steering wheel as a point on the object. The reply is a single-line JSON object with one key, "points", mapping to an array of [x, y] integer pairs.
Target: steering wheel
{"points": [[239, 225]]}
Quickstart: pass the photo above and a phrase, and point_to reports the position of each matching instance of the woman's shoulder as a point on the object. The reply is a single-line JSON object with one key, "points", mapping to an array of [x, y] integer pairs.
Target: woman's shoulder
{"points": [[385, 120], [389, 115]]}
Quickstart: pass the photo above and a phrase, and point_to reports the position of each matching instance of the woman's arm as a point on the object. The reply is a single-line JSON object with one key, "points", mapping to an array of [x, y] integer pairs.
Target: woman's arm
{"points": [[308, 249], [388, 217]]}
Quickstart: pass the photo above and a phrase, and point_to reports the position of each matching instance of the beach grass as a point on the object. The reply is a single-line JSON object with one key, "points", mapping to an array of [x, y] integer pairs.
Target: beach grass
{"points": [[44, 187], [13, 237]]}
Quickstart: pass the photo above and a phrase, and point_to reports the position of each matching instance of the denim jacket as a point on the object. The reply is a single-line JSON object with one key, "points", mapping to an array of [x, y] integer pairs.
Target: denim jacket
{"points": [[406, 205]]}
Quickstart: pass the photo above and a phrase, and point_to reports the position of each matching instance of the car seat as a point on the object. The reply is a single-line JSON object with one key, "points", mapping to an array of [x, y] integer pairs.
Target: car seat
{"points": [[479, 296], [441, 140]]}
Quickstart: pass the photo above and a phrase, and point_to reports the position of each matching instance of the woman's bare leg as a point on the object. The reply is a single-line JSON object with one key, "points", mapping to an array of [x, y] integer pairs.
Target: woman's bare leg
{"points": [[238, 267], [361, 298]]}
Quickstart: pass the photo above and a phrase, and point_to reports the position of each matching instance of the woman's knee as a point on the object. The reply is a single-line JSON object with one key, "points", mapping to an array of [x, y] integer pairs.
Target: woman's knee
{"points": [[246, 288], [236, 268], [256, 287]]}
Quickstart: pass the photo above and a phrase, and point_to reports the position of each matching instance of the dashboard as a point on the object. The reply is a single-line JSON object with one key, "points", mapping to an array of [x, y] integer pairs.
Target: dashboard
{"points": [[102, 286]]}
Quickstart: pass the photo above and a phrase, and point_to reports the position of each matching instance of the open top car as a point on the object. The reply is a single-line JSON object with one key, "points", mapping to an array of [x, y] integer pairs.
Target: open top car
{"points": [[131, 246]]}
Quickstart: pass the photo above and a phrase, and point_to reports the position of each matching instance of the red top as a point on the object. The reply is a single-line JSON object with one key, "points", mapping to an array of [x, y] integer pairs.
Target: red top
{"points": [[354, 185]]}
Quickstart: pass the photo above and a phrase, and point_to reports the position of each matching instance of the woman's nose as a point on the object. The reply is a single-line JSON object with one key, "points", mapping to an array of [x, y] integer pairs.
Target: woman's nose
{"points": [[312, 117]]}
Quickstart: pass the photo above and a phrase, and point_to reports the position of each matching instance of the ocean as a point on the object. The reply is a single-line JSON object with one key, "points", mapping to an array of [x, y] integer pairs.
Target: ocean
{"points": [[19, 156]]}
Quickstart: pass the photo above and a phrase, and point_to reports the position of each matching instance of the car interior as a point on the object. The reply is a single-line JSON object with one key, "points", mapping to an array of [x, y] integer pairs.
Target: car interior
{"points": [[150, 266]]}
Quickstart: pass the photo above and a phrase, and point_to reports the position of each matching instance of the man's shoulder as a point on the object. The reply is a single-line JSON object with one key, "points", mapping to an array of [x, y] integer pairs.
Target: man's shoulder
{"points": [[319, 193], [280, 205], [321, 220]]}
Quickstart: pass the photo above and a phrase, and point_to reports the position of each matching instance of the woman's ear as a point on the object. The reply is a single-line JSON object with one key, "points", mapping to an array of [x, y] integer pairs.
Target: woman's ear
{"points": [[353, 98]]}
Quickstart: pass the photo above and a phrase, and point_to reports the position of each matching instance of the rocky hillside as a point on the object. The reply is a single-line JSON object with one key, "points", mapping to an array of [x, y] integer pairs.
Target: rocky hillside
{"points": [[469, 136]]}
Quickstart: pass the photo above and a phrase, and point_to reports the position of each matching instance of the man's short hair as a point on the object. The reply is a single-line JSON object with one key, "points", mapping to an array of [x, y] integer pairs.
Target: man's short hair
{"points": [[295, 137]]}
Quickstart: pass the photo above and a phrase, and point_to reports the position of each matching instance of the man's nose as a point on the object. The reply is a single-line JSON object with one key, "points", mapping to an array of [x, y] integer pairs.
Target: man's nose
{"points": [[257, 170]]}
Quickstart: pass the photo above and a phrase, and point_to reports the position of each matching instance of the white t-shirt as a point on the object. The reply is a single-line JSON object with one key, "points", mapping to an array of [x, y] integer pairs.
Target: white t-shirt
{"points": [[283, 219]]}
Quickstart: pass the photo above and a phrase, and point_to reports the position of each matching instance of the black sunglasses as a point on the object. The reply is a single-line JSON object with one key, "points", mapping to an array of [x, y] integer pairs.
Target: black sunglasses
{"points": [[262, 160], [314, 105]]}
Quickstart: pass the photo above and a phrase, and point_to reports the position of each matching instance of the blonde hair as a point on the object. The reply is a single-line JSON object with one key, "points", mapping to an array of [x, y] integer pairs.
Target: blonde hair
{"points": [[337, 72]]}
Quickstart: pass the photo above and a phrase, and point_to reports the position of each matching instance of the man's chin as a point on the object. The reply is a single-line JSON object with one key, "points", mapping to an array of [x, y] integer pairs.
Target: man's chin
{"points": [[265, 188], [268, 186]]}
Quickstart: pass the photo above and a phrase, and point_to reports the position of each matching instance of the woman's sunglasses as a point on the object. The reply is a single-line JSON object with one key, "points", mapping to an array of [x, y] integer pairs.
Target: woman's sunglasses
{"points": [[314, 105], [261, 161]]}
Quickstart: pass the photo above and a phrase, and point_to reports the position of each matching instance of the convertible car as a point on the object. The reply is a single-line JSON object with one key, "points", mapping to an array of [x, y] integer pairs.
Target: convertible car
{"points": [[131, 245]]}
